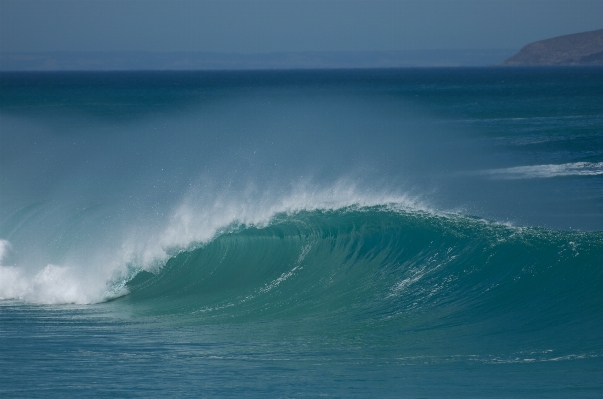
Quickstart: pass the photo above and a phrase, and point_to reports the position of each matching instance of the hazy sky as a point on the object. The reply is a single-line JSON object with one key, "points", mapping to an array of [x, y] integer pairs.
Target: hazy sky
{"points": [[288, 25]]}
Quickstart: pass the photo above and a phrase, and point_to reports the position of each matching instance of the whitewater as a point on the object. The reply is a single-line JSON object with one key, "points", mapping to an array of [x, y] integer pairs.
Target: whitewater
{"points": [[383, 233]]}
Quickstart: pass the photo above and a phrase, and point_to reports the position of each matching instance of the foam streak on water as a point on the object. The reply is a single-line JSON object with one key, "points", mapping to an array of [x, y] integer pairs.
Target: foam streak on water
{"points": [[548, 171]]}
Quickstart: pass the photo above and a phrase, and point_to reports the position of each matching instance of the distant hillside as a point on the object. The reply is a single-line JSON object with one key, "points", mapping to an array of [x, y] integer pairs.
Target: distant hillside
{"points": [[578, 49]]}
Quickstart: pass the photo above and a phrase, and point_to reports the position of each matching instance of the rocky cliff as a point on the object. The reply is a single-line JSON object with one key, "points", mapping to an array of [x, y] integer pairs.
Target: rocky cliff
{"points": [[577, 49]]}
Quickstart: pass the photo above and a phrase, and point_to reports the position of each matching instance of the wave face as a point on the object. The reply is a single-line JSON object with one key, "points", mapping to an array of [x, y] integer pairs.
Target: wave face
{"points": [[378, 268]]}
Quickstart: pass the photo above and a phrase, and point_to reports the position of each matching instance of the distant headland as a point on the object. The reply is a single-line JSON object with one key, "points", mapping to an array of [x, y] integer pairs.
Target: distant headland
{"points": [[584, 48]]}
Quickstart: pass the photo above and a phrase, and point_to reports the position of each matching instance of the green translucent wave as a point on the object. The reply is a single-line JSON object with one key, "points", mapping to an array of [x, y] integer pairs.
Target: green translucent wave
{"points": [[380, 269]]}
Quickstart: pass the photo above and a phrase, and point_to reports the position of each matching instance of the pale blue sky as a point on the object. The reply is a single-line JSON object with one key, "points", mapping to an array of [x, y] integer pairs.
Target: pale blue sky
{"points": [[254, 26]]}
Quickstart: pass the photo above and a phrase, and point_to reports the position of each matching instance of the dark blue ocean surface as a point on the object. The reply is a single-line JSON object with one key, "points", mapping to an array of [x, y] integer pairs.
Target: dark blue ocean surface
{"points": [[372, 233]]}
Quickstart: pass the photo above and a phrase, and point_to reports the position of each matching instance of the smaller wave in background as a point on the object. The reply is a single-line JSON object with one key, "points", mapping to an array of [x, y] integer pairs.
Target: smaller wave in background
{"points": [[547, 171]]}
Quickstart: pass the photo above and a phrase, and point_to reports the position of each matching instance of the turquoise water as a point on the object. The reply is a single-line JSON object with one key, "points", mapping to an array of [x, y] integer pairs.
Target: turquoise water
{"points": [[391, 233]]}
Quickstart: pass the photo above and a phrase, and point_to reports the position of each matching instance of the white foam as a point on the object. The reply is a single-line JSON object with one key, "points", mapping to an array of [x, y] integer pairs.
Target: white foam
{"points": [[547, 171], [12, 283], [52, 284], [58, 284]]}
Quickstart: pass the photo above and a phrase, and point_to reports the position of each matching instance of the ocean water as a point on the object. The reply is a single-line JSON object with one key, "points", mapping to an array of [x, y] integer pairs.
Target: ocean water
{"points": [[412, 233]]}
